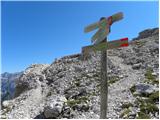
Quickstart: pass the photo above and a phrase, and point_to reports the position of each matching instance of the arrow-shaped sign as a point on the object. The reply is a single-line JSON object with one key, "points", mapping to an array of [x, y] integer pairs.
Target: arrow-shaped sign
{"points": [[106, 45], [101, 33], [101, 36], [104, 27], [114, 18], [91, 27]]}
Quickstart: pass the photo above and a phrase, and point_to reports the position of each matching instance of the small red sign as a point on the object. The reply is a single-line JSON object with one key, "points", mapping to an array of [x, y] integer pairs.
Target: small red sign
{"points": [[123, 39], [124, 45]]}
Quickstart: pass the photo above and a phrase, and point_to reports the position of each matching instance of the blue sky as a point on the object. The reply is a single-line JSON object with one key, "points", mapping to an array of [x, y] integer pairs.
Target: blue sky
{"points": [[39, 32]]}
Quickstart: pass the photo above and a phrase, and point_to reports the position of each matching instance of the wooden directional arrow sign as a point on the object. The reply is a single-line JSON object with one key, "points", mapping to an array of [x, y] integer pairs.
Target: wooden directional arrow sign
{"points": [[106, 45], [104, 27], [100, 35], [91, 27]]}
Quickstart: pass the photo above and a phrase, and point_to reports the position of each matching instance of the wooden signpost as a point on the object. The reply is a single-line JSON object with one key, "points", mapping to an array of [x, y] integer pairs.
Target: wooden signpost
{"points": [[106, 45], [100, 43]]}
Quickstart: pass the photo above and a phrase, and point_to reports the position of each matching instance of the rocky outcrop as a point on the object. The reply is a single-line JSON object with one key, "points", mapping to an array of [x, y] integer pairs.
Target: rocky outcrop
{"points": [[147, 33], [54, 106], [30, 78], [70, 86], [144, 88]]}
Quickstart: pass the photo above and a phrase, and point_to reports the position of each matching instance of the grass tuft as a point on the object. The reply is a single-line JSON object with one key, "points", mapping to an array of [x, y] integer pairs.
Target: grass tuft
{"points": [[150, 78], [113, 79], [142, 115], [133, 89], [125, 113], [127, 105]]}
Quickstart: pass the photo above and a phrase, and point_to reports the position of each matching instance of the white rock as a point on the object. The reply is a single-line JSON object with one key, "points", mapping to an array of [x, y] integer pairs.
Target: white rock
{"points": [[121, 76], [54, 106], [5, 104], [154, 74]]}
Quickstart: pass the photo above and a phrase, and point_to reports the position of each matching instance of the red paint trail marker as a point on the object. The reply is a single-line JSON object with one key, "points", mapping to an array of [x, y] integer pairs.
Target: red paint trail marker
{"points": [[123, 39], [124, 45], [106, 45]]}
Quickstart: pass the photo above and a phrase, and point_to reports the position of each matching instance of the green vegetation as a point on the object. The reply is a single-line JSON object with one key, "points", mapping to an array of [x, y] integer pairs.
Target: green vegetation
{"points": [[98, 87], [148, 107], [84, 98], [93, 94], [125, 113], [113, 79], [49, 94], [8, 109], [143, 95], [142, 115], [140, 43], [148, 74], [77, 83], [133, 89], [127, 105], [154, 97], [74, 102], [146, 103], [150, 78]]}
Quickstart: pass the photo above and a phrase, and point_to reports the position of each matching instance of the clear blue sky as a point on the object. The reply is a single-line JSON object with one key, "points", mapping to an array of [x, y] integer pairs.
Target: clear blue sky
{"points": [[39, 32]]}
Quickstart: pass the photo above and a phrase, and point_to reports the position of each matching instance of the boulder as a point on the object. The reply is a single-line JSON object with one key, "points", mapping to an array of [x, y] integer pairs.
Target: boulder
{"points": [[54, 106], [5, 104], [147, 33], [144, 88], [137, 66]]}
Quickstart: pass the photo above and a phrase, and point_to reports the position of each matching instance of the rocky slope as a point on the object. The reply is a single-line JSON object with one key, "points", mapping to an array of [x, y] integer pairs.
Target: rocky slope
{"points": [[69, 87]]}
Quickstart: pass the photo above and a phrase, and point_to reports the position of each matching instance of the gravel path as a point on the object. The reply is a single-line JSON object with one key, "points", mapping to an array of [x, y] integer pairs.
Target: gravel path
{"points": [[29, 107], [119, 92]]}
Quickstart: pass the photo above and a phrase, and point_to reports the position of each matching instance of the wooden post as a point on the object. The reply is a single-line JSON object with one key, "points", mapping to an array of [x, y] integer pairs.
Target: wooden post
{"points": [[104, 84]]}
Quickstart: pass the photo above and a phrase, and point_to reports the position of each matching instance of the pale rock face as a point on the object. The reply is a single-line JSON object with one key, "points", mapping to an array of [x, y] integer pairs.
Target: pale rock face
{"points": [[54, 106], [30, 78]]}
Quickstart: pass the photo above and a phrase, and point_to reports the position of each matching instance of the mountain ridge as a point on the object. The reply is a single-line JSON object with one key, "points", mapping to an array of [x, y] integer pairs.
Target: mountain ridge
{"points": [[69, 86]]}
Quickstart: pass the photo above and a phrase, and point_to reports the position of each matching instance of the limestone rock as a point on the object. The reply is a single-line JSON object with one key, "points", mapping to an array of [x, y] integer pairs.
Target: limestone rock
{"points": [[136, 66], [144, 88], [6, 104], [54, 106]]}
